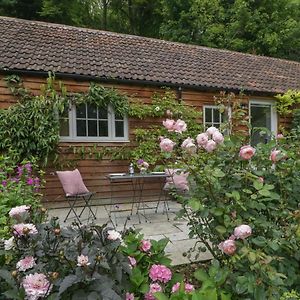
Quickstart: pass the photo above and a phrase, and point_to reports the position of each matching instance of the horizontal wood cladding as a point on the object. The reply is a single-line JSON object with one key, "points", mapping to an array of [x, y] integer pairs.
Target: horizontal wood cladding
{"points": [[94, 171]]}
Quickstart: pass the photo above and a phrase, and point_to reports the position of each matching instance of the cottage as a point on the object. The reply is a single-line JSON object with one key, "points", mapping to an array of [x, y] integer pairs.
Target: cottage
{"points": [[134, 65]]}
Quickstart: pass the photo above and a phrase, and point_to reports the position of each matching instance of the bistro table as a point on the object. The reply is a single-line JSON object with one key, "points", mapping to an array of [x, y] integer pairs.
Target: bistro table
{"points": [[137, 183]]}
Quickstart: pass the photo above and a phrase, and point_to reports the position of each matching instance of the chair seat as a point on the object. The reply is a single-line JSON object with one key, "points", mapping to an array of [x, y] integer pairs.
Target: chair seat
{"points": [[81, 195]]}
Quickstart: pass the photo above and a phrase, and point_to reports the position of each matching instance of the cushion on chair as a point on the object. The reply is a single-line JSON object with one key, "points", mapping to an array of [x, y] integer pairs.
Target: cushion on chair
{"points": [[177, 181], [72, 182]]}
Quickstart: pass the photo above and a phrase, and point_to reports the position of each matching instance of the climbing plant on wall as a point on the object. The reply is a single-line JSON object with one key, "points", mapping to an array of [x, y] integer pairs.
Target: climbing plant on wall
{"points": [[30, 128]]}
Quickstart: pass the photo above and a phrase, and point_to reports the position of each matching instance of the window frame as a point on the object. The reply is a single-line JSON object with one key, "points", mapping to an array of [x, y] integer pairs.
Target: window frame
{"points": [[97, 139], [204, 115], [274, 117]]}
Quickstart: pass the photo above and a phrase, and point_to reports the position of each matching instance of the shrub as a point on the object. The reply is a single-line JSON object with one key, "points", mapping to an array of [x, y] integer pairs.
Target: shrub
{"points": [[19, 185], [234, 185], [77, 262]]}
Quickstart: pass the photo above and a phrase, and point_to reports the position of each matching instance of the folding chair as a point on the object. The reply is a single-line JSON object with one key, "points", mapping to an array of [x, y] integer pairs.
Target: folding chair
{"points": [[75, 190]]}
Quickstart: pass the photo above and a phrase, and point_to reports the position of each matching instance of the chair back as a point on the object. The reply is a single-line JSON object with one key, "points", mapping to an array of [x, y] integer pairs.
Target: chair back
{"points": [[72, 182]]}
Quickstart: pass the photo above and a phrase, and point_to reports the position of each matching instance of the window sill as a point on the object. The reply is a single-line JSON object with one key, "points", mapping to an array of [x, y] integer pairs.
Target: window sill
{"points": [[76, 140]]}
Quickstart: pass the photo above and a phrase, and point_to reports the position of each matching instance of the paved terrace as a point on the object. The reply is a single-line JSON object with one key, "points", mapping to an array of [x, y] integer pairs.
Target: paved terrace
{"points": [[155, 226]]}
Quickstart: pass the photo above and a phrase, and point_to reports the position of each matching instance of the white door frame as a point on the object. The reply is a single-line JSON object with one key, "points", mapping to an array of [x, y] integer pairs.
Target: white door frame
{"points": [[274, 118]]}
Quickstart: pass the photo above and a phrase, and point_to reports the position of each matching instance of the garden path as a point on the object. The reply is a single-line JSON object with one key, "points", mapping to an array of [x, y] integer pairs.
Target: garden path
{"points": [[156, 227]]}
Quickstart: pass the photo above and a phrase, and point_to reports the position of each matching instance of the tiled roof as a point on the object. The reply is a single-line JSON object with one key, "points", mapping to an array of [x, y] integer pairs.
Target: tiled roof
{"points": [[37, 46]]}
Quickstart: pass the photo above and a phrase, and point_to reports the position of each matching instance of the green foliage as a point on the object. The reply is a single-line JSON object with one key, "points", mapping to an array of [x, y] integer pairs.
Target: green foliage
{"points": [[102, 97], [286, 102], [226, 191], [56, 251], [293, 295], [20, 185], [164, 104], [30, 127], [139, 278]]}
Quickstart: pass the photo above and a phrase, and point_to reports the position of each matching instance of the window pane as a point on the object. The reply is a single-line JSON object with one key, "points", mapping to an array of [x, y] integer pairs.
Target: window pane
{"points": [[260, 117], [92, 111], [103, 128], [119, 128], [81, 111], [92, 128], [216, 115], [64, 127], [208, 115], [81, 127], [103, 113]]}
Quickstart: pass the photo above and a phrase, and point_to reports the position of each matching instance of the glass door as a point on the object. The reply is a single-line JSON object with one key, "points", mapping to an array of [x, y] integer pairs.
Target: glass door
{"points": [[263, 115]]}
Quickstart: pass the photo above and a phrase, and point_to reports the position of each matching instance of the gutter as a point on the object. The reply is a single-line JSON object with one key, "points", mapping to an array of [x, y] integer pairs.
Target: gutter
{"points": [[179, 87]]}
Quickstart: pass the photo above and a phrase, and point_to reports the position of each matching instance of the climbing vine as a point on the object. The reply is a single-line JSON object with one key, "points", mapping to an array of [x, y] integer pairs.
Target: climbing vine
{"points": [[30, 128]]}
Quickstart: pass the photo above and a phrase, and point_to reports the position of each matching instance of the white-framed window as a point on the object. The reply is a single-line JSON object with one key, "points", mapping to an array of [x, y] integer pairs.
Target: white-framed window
{"points": [[262, 114], [212, 116], [88, 123]]}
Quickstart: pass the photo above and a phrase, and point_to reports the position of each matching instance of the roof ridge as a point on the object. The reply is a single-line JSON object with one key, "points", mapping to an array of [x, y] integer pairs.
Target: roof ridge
{"points": [[148, 38]]}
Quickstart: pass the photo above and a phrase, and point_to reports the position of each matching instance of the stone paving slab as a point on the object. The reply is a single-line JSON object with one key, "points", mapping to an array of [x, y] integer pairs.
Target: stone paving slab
{"points": [[176, 230]]}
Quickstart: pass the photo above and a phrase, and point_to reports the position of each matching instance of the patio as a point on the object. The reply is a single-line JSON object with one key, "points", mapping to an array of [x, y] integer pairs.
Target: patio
{"points": [[157, 227]]}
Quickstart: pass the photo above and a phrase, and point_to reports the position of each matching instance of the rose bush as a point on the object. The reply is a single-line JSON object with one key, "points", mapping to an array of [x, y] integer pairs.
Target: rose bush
{"points": [[243, 200]]}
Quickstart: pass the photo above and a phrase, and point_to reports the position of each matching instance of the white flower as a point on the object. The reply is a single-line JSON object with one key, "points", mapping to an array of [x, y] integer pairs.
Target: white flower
{"points": [[9, 244], [157, 108], [114, 235], [83, 260], [18, 211], [26, 263]]}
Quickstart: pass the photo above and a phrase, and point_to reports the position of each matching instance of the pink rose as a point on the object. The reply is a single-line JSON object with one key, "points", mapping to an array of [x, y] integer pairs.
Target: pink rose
{"points": [[279, 136], [274, 156], [176, 287], [228, 247], [129, 296], [26, 263], [202, 139], [36, 286], [160, 273], [188, 288], [210, 146], [242, 231], [246, 152], [218, 137], [82, 261], [166, 145], [189, 146], [145, 245], [180, 126], [132, 261], [211, 130], [261, 179], [178, 181], [169, 124], [154, 288]]}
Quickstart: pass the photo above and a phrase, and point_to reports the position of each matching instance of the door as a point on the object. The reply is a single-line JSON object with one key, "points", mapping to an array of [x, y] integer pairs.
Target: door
{"points": [[262, 114]]}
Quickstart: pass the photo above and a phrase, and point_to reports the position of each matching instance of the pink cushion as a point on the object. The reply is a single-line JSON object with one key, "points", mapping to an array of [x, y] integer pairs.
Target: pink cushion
{"points": [[72, 182], [178, 181]]}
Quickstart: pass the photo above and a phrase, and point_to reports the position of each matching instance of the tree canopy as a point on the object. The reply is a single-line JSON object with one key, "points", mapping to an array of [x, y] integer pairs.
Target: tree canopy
{"points": [[263, 27]]}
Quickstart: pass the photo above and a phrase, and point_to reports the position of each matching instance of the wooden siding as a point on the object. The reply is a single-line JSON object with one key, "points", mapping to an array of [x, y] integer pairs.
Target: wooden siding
{"points": [[94, 171]]}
